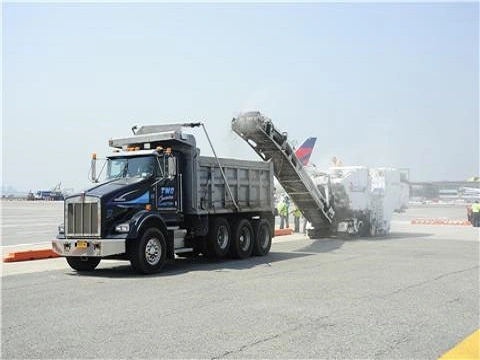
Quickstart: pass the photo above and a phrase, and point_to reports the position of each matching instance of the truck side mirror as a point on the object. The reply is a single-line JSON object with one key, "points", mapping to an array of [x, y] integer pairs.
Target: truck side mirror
{"points": [[93, 169], [172, 166]]}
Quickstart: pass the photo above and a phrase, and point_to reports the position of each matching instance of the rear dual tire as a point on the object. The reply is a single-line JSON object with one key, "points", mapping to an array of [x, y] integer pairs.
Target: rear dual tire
{"points": [[239, 241], [219, 238], [263, 238], [243, 239]]}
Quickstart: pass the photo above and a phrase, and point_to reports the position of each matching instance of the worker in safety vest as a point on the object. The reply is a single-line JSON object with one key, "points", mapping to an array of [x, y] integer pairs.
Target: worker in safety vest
{"points": [[287, 201], [336, 162], [476, 214], [282, 212], [297, 214]]}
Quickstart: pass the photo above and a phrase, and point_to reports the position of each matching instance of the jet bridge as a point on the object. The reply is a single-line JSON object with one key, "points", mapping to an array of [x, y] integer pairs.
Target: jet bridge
{"points": [[270, 144]]}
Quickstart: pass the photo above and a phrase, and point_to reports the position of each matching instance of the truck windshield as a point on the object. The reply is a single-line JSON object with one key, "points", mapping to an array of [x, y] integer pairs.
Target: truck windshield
{"points": [[131, 167]]}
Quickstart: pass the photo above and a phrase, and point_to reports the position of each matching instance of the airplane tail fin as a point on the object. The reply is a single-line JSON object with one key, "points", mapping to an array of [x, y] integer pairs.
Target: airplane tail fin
{"points": [[304, 151]]}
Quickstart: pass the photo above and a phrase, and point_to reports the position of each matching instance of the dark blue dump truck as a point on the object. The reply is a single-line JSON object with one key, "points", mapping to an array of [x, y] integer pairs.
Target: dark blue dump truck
{"points": [[160, 198]]}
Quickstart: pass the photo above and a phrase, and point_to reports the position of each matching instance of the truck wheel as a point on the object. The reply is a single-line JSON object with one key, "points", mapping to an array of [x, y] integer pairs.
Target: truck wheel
{"points": [[263, 238], [83, 263], [218, 238], [147, 256], [243, 239]]}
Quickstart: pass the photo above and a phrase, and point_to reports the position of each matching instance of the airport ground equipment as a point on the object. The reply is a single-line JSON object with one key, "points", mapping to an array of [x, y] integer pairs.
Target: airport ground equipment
{"points": [[354, 200], [365, 198], [271, 144], [404, 190], [161, 199], [55, 194]]}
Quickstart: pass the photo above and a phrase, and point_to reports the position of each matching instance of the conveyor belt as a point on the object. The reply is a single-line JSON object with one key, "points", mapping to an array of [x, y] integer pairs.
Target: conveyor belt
{"points": [[260, 133]]}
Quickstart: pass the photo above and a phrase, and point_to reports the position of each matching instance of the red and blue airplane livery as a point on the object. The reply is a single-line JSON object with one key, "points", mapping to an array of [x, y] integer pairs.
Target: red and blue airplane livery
{"points": [[304, 152]]}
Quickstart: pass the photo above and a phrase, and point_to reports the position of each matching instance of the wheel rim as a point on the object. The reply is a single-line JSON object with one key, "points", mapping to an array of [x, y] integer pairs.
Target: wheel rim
{"points": [[245, 239], [153, 251], [222, 237], [263, 237]]}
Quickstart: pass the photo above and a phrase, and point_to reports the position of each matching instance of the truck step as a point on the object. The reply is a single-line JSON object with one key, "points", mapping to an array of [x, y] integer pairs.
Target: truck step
{"points": [[183, 250]]}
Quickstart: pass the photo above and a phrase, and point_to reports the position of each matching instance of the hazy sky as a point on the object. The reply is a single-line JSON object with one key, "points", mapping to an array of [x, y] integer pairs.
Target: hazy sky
{"points": [[378, 84]]}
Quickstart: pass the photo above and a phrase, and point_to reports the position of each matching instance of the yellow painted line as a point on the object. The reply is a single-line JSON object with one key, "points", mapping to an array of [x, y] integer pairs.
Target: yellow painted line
{"points": [[468, 349]]}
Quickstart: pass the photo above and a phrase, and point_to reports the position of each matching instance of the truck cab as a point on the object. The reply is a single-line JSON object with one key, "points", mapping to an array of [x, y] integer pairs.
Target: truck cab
{"points": [[147, 177]]}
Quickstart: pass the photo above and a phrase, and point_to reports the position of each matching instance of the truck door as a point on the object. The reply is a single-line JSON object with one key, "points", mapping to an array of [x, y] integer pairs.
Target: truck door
{"points": [[169, 188]]}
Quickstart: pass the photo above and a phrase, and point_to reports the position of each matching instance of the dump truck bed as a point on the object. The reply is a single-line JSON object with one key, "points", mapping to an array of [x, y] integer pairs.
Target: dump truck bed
{"points": [[251, 183]]}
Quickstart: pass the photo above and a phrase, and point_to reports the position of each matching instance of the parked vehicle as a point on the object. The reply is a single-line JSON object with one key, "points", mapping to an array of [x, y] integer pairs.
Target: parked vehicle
{"points": [[160, 198]]}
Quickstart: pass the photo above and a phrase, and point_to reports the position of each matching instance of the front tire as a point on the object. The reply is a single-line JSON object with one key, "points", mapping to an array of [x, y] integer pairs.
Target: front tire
{"points": [[148, 255], [83, 263]]}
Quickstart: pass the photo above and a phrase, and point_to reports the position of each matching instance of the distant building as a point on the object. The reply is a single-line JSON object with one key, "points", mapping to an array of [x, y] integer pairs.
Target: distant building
{"points": [[445, 190]]}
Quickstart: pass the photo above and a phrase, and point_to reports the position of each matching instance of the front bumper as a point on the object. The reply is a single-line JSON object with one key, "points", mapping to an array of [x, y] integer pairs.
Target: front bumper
{"points": [[94, 247]]}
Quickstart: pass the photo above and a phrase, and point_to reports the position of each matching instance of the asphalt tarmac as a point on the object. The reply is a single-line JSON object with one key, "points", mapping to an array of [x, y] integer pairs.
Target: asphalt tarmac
{"points": [[412, 294], [27, 222]]}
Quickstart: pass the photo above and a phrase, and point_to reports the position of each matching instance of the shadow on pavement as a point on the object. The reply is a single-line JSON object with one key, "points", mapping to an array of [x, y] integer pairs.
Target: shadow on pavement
{"points": [[397, 236], [322, 245], [183, 265], [392, 236], [332, 243]]}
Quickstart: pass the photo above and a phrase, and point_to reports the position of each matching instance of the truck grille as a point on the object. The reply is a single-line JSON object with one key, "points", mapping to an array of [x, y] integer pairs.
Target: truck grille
{"points": [[82, 216]]}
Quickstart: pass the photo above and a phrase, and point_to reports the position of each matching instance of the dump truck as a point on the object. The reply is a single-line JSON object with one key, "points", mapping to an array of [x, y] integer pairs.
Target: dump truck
{"points": [[161, 199]]}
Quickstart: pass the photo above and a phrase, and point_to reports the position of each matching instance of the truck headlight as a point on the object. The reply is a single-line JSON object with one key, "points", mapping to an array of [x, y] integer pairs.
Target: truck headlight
{"points": [[61, 229], [122, 228]]}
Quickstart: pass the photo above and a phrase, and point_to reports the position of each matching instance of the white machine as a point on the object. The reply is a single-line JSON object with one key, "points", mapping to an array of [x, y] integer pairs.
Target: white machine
{"points": [[365, 198], [354, 199]]}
